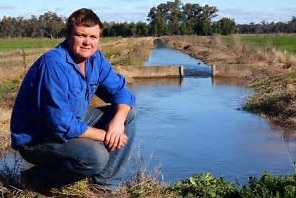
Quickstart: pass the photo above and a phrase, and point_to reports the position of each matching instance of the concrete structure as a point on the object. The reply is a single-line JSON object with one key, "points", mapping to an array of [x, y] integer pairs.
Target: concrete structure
{"points": [[150, 71], [231, 70], [227, 70]]}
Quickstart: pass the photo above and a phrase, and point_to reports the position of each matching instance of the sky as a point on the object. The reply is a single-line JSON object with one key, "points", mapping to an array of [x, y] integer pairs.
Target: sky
{"points": [[242, 11]]}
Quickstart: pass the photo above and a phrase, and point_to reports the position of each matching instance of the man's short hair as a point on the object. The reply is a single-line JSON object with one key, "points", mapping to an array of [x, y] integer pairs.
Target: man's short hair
{"points": [[83, 17]]}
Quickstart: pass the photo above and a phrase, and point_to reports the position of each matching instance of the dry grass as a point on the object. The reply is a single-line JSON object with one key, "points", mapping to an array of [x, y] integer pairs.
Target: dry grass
{"points": [[15, 66], [4, 128], [127, 51], [144, 183]]}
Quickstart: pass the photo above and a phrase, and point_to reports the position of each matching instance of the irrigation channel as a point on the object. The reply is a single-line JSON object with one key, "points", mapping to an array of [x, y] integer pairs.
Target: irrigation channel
{"points": [[196, 125]]}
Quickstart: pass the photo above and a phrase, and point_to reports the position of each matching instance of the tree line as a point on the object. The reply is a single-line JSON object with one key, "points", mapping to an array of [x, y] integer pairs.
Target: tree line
{"points": [[170, 18]]}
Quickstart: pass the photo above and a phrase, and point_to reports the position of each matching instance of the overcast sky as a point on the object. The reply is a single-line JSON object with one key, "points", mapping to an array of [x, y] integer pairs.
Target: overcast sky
{"points": [[242, 11]]}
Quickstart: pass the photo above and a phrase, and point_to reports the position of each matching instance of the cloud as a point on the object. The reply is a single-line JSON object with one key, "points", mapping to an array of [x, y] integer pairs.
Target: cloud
{"points": [[129, 16], [246, 16]]}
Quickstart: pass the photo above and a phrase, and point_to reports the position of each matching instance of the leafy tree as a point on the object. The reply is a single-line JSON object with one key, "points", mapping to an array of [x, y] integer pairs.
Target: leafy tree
{"points": [[158, 20], [141, 29], [173, 18], [7, 27], [292, 25], [224, 26], [52, 24]]}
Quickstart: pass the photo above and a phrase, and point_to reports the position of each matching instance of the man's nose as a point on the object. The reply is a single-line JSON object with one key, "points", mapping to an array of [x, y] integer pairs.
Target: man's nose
{"points": [[86, 41]]}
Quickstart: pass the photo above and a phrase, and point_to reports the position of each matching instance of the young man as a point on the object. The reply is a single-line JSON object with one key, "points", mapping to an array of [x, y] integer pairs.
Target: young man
{"points": [[52, 125]]}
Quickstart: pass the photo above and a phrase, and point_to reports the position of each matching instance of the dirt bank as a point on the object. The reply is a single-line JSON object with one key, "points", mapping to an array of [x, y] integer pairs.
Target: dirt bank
{"points": [[212, 50]]}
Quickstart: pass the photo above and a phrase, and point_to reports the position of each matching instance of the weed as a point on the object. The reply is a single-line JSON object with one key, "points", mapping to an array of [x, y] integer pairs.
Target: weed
{"points": [[205, 185]]}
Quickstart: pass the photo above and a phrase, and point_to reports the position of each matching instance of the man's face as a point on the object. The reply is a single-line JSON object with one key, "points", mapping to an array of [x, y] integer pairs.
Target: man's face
{"points": [[83, 42]]}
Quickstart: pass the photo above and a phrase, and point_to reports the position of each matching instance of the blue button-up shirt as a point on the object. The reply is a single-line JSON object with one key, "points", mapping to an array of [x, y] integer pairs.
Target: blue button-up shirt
{"points": [[55, 95]]}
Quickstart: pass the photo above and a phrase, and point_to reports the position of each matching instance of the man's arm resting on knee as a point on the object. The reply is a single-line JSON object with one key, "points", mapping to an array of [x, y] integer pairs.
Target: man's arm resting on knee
{"points": [[116, 134], [94, 134]]}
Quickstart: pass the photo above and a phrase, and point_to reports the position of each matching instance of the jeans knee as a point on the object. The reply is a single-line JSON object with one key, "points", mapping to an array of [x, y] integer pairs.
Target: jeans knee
{"points": [[131, 116], [99, 161], [88, 157]]}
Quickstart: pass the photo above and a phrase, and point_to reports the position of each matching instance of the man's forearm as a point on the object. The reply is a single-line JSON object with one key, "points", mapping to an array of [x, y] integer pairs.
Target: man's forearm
{"points": [[94, 134], [121, 112]]}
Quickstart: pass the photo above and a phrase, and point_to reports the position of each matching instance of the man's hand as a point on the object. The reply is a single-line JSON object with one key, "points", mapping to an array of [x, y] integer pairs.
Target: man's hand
{"points": [[115, 137]]}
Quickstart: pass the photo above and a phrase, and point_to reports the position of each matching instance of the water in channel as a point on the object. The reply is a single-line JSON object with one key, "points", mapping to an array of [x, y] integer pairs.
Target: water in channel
{"points": [[194, 125]]}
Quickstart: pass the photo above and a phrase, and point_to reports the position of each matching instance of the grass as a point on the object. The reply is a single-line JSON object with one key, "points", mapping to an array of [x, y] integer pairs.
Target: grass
{"points": [[280, 42], [8, 90], [275, 88], [146, 185], [13, 43]]}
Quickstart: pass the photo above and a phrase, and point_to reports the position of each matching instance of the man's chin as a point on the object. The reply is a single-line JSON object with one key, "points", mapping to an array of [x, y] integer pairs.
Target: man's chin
{"points": [[85, 55]]}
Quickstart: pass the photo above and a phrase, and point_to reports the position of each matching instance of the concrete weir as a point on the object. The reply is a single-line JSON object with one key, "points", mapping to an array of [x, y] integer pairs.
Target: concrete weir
{"points": [[231, 70], [228, 70], [150, 71]]}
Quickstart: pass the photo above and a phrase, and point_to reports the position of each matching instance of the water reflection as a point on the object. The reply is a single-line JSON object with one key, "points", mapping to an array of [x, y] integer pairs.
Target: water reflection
{"points": [[229, 81], [158, 81], [196, 126]]}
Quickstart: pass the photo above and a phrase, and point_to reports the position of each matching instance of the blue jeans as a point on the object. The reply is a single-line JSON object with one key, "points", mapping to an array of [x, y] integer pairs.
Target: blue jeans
{"points": [[78, 158]]}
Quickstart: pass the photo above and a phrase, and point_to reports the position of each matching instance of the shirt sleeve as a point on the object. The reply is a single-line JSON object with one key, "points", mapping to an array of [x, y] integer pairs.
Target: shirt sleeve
{"points": [[112, 86], [54, 100]]}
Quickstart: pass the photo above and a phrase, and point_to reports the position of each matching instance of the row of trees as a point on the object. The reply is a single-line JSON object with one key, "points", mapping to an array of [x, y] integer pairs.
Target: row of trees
{"points": [[170, 18], [47, 25], [265, 28]]}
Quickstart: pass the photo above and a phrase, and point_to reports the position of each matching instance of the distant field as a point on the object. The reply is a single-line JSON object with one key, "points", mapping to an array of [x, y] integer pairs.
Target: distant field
{"points": [[281, 42], [18, 43], [11, 44]]}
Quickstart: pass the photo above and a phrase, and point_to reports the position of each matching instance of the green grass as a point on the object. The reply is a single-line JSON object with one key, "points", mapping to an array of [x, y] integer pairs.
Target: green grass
{"points": [[282, 42], [12, 44], [34, 43]]}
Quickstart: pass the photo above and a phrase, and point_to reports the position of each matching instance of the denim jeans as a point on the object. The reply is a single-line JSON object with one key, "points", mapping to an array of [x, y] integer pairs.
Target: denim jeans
{"points": [[79, 157]]}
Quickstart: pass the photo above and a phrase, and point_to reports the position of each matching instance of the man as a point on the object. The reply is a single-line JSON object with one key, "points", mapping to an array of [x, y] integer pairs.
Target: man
{"points": [[52, 125]]}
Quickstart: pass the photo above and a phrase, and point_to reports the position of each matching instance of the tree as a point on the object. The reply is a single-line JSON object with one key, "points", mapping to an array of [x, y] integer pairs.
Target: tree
{"points": [[224, 26], [173, 18], [157, 17], [7, 27], [141, 29], [52, 24]]}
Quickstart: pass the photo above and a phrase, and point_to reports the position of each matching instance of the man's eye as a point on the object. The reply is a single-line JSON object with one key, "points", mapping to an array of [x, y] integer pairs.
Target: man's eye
{"points": [[79, 35]]}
